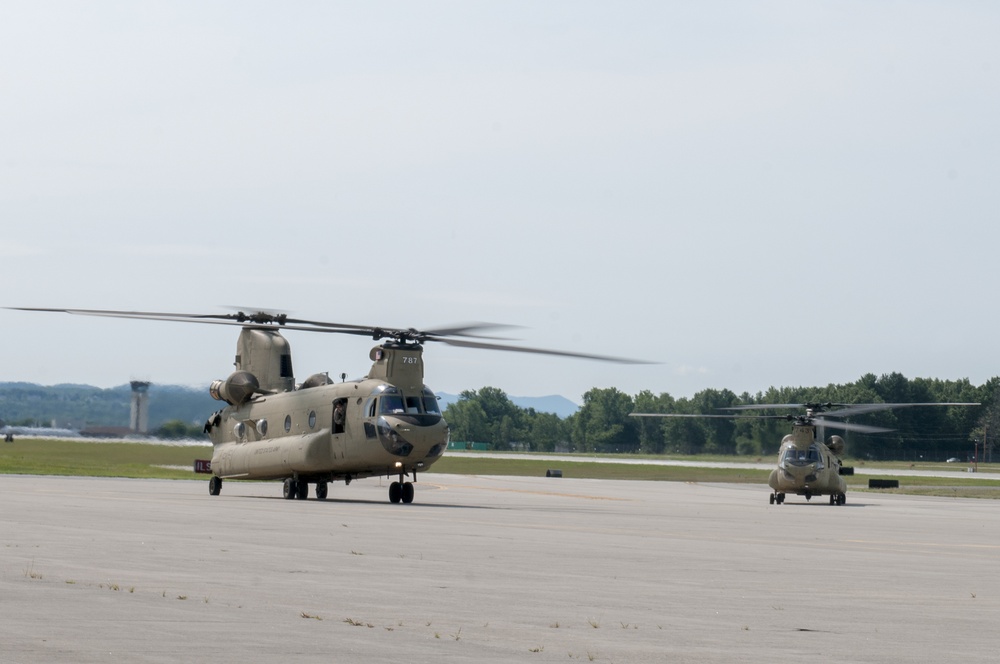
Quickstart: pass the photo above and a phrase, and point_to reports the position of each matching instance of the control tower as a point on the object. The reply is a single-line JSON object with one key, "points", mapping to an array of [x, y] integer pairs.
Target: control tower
{"points": [[139, 419]]}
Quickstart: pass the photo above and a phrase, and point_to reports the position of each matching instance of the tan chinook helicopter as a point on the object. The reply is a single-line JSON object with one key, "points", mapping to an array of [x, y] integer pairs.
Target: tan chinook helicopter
{"points": [[319, 431], [808, 465]]}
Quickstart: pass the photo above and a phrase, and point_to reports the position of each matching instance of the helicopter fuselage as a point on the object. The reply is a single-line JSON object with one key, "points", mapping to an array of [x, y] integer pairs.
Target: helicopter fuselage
{"points": [[293, 434]]}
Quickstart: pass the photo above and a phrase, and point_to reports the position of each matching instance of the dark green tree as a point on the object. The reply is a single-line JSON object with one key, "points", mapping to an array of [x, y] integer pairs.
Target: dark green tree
{"points": [[467, 420], [603, 423], [650, 429]]}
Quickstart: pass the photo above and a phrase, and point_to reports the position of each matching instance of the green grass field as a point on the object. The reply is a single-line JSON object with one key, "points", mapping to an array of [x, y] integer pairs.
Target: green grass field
{"points": [[103, 459]]}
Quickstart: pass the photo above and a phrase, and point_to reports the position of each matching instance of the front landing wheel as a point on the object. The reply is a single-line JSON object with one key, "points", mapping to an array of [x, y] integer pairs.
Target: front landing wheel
{"points": [[395, 492]]}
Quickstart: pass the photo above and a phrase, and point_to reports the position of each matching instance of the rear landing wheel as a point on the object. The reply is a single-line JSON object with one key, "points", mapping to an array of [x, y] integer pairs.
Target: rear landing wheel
{"points": [[321, 488], [302, 490], [288, 489], [214, 486]]}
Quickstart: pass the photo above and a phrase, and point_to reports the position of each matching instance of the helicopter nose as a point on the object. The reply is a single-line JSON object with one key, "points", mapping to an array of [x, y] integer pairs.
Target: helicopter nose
{"points": [[800, 472], [406, 438]]}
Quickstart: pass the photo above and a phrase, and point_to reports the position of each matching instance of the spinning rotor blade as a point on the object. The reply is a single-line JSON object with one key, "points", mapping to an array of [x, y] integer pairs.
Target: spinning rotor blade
{"points": [[817, 421], [721, 417], [845, 409], [268, 321], [816, 407], [541, 351], [857, 409], [848, 426], [233, 319], [466, 330], [264, 318], [766, 406]]}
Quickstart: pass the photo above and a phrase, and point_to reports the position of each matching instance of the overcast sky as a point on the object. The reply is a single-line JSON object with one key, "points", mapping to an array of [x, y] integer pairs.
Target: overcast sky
{"points": [[752, 194]]}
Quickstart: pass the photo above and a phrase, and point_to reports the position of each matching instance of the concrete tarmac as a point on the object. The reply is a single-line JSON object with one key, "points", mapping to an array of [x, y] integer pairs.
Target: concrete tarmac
{"points": [[500, 569]]}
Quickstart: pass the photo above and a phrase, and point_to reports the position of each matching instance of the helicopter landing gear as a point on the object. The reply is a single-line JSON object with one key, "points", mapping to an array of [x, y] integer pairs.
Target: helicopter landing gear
{"points": [[777, 498], [401, 491], [293, 488], [838, 498], [214, 485]]}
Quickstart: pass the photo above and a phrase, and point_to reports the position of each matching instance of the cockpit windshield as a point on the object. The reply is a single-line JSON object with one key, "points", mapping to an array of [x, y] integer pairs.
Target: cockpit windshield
{"points": [[799, 457], [393, 402]]}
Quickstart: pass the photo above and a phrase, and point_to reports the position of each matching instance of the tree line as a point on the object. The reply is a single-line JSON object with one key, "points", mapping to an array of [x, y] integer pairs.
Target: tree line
{"points": [[603, 424]]}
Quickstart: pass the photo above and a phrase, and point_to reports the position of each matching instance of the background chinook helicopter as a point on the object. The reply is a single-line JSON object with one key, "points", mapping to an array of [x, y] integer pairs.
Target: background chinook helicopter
{"points": [[385, 424], [807, 465]]}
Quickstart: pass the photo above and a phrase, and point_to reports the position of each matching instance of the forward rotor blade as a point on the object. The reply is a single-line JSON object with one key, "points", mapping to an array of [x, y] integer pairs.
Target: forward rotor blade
{"points": [[542, 351], [467, 329]]}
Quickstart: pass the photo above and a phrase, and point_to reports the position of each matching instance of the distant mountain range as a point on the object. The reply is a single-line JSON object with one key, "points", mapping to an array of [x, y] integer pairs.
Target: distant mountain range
{"points": [[80, 406]]}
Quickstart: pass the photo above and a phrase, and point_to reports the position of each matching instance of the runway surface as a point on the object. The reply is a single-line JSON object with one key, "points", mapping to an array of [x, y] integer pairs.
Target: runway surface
{"points": [[490, 569]]}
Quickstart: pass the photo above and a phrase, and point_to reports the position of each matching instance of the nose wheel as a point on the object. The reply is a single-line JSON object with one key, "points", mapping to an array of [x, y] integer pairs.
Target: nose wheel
{"points": [[401, 492]]}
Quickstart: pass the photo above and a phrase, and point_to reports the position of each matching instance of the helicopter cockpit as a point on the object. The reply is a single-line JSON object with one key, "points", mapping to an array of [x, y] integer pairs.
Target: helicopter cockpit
{"points": [[394, 402], [395, 412], [799, 457]]}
